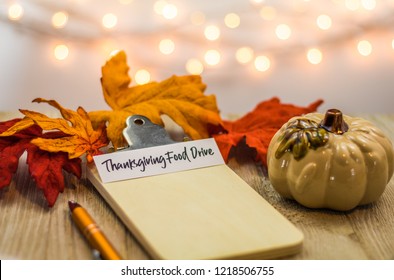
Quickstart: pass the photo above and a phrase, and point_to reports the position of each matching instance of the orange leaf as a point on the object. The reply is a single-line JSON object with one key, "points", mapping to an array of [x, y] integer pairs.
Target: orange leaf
{"points": [[80, 136], [181, 98]]}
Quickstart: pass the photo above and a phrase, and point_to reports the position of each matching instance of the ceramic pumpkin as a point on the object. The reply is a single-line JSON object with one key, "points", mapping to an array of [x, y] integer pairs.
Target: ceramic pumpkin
{"points": [[330, 161]]}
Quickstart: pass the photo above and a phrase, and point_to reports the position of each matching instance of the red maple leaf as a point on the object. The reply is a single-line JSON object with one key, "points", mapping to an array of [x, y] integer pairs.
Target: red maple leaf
{"points": [[44, 167], [12, 148], [258, 127]]}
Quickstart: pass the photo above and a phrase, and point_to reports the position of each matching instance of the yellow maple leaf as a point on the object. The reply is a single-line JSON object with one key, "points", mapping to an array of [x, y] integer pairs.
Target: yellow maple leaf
{"points": [[79, 138], [179, 97]]}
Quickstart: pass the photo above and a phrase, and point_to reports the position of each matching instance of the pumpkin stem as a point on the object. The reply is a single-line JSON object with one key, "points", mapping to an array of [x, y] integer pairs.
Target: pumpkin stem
{"points": [[333, 122]]}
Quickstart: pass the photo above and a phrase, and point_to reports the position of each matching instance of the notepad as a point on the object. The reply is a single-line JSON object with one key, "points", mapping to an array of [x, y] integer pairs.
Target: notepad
{"points": [[203, 213]]}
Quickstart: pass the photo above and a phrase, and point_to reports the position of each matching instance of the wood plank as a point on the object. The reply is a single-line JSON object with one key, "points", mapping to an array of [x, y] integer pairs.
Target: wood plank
{"points": [[374, 223]]}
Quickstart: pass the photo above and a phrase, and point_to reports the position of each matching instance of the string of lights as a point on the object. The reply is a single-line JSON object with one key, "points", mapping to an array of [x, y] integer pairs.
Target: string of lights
{"points": [[200, 43]]}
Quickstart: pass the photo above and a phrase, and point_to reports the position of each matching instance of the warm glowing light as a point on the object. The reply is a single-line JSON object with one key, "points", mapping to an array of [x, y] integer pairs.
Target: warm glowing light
{"points": [[61, 52], [244, 55], [257, 1], [283, 31], [109, 47], [194, 66], [355, 11], [197, 18], [314, 56], [166, 46], [324, 22], [159, 6], [262, 63], [212, 32], [169, 11], [352, 5], [142, 76], [59, 19], [212, 57], [15, 12], [268, 13], [364, 47], [165, 9], [232, 20], [368, 4], [113, 53], [109, 20]]}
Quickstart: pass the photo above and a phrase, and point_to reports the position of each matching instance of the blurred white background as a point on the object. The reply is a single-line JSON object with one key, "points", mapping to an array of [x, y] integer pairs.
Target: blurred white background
{"points": [[246, 51]]}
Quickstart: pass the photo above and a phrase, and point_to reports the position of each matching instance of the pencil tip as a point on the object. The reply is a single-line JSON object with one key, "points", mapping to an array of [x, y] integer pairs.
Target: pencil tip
{"points": [[72, 205]]}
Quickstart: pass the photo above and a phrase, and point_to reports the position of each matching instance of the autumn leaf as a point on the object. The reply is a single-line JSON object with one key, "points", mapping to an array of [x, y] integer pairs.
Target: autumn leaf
{"points": [[12, 148], [45, 168], [52, 145], [180, 97], [258, 127], [79, 136]]}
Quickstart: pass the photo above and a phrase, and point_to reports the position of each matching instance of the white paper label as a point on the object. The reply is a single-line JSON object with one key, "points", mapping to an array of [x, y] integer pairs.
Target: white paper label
{"points": [[157, 160]]}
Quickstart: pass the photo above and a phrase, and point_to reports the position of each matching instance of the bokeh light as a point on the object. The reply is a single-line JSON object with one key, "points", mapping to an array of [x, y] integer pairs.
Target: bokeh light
{"points": [[194, 66], [15, 12], [109, 21], [59, 19], [212, 32], [232, 20], [212, 57], [283, 31], [166, 46], [324, 22], [244, 55], [142, 77], [314, 56], [61, 52], [364, 47], [262, 63]]}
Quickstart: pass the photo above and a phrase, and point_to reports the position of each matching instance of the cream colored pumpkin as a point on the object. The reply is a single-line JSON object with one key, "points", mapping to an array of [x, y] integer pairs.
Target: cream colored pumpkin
{"points": [[332, 170]]}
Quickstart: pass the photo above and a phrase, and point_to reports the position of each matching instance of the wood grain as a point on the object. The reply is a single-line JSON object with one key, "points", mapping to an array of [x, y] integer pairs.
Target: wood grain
{"points": [[31, 230]]}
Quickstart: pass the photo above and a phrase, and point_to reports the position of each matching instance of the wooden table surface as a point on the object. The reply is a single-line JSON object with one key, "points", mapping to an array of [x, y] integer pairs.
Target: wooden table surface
{"points": [[31, 230]]}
